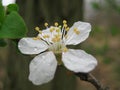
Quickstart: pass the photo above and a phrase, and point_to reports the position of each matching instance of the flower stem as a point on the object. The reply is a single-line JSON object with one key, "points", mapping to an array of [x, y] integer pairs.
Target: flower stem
{"points": [[91, 79]]}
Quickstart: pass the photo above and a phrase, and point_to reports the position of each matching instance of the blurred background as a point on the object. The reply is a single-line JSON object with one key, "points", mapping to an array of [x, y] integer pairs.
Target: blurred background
{"points": [[103, 43]]}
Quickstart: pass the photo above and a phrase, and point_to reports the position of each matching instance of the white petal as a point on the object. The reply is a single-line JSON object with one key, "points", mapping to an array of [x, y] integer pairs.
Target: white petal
{"points": [[79, 61], [42, 68], [31, 46], [7, 2], [73, 38]]}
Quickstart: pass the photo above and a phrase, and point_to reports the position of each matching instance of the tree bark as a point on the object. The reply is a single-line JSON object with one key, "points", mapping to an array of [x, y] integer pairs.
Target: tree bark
{"points": [[91, 79]]}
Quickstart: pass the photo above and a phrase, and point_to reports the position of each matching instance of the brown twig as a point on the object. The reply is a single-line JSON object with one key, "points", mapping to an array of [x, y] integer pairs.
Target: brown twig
{"points": [[91, 79]]}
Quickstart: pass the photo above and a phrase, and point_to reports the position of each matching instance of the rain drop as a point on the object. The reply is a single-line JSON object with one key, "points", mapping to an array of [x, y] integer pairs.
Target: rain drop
{"points": [[35, 49]]}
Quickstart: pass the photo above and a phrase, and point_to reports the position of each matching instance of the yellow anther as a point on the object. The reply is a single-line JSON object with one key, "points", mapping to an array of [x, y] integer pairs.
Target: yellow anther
{"points": [[58, 30], [56, 24], [46, 24], [36, 38], [58, 39], [67, 29], [37, 29], [46, 36], [60, 26], [54, 39], [52, 29], [76, 31], [40, 32], [65, 25], [65, 49], [57, 35], [64, 21]]}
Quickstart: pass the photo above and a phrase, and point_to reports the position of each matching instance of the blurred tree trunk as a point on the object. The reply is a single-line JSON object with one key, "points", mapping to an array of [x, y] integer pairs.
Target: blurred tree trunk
{"points": [[35, 13]]}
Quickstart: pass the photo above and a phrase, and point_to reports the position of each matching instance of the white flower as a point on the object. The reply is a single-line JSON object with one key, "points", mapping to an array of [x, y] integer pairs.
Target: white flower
{"points": [[7, 2], [53, 41]]}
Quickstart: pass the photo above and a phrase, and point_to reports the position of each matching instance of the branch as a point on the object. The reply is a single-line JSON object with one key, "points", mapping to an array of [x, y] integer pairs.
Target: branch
{"points": [[91, 79]]}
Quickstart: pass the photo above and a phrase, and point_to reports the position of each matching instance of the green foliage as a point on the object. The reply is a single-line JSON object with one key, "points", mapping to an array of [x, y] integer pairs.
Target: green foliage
{"points": [[2, 14], [11, 23], [13, 26], [2, 43], [12, 7]]}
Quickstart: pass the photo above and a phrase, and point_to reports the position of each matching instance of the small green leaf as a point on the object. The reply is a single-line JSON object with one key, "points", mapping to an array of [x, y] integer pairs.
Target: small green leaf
{"points": [[13, 26], [12, 7], [2, 43]]}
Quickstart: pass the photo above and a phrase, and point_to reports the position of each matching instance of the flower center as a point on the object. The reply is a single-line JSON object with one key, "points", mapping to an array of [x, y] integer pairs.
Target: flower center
{"points": [[58, 47], [55, 36]]}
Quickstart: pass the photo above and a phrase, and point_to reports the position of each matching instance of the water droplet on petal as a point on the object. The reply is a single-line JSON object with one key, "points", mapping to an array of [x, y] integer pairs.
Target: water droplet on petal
{"points": [[35, 48]]}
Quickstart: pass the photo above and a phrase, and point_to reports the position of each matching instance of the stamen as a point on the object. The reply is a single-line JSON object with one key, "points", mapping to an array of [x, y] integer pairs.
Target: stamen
{"points": [[58, 39], [67, 29], [52, 29], [46, 39], [63, 28], [58, 30], [65, 25], [46, 36], [65, 49], [57, 35], [60, 26], [36, 38], [64, 21], [54, 40], [38, 30], [46, 24], [56, 24]]}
